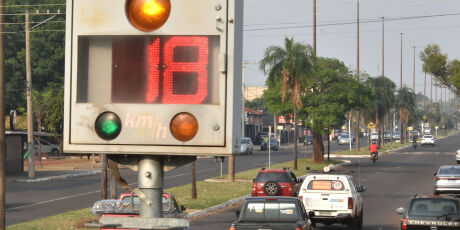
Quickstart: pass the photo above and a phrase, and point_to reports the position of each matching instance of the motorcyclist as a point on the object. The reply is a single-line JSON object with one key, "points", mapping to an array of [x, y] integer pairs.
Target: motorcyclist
{"points": [[414, 141], [374, 148]]}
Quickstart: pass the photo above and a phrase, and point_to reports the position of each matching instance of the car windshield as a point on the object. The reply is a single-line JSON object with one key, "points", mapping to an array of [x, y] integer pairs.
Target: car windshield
{"points": [[263, 177], [271, 212], [244, 141], [449, 170], [345, 136], [433, 207]]}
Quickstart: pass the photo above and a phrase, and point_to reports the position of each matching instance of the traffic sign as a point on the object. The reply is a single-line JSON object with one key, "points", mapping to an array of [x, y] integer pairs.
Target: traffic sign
{"points": [[371, 125], [159, 78]]}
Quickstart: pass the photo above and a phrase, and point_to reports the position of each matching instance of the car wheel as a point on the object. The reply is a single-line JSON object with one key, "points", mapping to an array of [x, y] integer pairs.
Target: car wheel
{"points": [[458, 162], [55, 151], [360, 221], [352, 225], [271, 188], [436, 193]]}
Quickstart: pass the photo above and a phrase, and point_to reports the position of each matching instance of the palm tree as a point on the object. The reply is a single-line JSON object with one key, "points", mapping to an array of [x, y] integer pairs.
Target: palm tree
{"points": [[291, 63], [406, 102], [383, 98]]}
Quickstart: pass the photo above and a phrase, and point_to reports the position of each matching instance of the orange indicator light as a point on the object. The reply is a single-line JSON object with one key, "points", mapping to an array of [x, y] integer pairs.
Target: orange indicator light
{"points": [[148, 15], [184, 126]]}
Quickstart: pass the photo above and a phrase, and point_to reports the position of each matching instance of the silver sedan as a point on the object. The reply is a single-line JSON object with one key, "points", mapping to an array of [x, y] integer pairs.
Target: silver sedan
{"points": [[447, 179]]}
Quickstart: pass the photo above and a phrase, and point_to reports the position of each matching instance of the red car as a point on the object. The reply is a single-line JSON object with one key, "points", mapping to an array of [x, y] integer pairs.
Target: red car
{"points": [[123, 207], [275, 182]]}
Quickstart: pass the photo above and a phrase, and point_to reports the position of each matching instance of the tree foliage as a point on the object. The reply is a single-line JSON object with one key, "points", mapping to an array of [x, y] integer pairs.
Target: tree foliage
{"points": [[436, 64], [292, 65], [47, 55], [332, 92]]}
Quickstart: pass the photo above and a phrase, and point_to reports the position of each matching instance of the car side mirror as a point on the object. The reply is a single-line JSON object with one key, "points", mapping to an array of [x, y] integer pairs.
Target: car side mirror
{"points": [[182, 208], [307, 168], [311, 214], [361, 189], [401, 210], [238, 214], [435, 174]]}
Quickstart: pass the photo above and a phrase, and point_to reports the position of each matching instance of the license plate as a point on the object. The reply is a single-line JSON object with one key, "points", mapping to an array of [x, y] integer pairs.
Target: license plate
{"points": [[433, 228], [322, 213]]}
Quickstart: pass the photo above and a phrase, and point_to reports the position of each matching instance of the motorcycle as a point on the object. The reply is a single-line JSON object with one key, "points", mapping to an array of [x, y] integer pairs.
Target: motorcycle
{"points": [[374, 157], [414, 145]]}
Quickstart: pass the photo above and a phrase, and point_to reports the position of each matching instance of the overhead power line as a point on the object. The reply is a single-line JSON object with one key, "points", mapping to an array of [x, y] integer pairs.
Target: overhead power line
{"points": [[350, 23]]}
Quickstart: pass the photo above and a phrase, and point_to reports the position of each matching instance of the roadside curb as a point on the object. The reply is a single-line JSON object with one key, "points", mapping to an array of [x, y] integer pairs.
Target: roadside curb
{"points": [[60, 177], [216, 207]]}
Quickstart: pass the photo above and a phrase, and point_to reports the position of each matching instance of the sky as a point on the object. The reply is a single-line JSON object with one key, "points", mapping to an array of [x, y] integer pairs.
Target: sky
{"points": [[266, 23]]}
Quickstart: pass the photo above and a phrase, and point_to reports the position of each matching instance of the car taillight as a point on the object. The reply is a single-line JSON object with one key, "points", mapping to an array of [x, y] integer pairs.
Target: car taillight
{"points": [[404, 224], [232, 228], [350, 202], [298, 228]]}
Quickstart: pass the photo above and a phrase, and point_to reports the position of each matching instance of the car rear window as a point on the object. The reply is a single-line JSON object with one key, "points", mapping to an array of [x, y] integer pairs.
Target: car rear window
{"points": [[334, 185], [427, 136], [263, 177], [449, 170], [271, 212], [433, 207], [244, 141]]}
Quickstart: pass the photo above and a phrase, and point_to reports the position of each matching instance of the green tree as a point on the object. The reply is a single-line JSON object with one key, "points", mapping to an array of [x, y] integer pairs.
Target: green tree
{"points": [[291, 63], [333, 91], [454, 75], [47, 48], [406, 102], [382, 100], [256, 103]]}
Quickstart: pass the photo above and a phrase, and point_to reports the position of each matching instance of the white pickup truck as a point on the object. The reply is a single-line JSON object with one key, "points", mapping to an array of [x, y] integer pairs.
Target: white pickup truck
{"points": [[334, 198]]}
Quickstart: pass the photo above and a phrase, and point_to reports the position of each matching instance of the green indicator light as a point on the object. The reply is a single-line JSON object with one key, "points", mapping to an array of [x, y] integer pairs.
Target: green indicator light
{"points": [[108, 126]]}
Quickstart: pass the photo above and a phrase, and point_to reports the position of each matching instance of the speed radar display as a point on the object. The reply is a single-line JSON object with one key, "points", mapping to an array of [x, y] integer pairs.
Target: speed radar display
{"points": [[153, 77]]}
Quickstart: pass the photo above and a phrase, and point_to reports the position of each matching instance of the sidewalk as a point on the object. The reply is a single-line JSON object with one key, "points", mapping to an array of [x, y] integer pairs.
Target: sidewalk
{"points": [[58, 169]]}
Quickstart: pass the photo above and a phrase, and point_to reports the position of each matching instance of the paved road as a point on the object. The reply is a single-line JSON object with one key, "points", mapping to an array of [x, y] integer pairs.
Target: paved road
{"points": [[389, 183], [28, 201]]}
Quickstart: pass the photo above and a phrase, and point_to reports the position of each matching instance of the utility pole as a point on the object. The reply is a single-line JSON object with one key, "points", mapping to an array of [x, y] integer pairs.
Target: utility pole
{"points": [[424, 94], [2, 124], [357, 77], [401, 69], [431, 95], [383, 46], [414, 71], [314, 28], [30, 123], [401, 130]]}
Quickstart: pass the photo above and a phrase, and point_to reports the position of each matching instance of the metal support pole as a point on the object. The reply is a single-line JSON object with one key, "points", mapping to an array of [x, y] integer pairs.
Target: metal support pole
{"points": [[150, 179]]}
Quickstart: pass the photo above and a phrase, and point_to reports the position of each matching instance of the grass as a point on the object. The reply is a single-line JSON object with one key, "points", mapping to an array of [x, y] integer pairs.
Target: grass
{"points": [[64, 221], [209, 194]]}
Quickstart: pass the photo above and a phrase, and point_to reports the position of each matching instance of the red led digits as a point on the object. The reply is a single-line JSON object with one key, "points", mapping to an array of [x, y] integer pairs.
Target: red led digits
{"points": [[153, 81], [199, 67]]}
